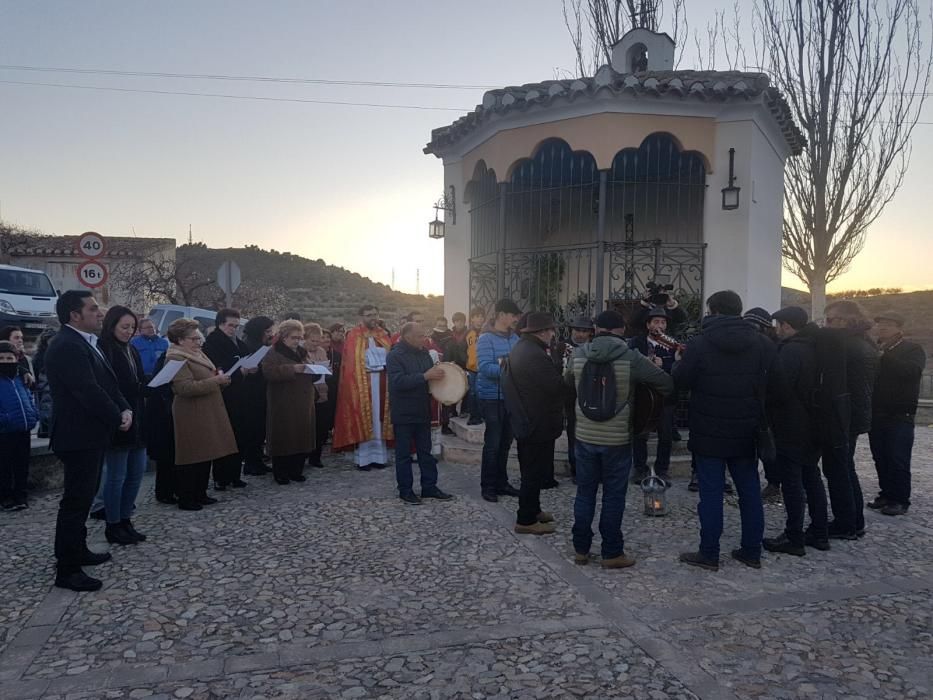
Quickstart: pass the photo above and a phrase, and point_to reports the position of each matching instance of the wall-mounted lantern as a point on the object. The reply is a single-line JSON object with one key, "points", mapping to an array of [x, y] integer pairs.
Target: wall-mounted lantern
{"points": [[730, 194], [448, 206]]}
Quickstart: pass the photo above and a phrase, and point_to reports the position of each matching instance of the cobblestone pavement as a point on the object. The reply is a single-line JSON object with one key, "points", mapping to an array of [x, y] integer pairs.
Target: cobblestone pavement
{"points": [[335, 589]]}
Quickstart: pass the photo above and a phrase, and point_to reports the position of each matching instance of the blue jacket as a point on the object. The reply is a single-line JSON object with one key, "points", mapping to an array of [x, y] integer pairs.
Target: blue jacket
{"points": [[409, 400], [490, 348], [150, 350], [17, 410], [730, 368]]}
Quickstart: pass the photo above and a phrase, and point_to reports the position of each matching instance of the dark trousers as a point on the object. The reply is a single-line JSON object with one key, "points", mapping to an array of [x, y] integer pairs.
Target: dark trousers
{"points": [[537, 464], [419, 435], [711, 475], [227, 469], [845, 491], [472, 402], [252, 455], [892, 442], [572, 441], [773, 472], [288, 466], [82, 473], [802, 487], [662, 463], [497, 440], [608, 466], [322, 426], [191, 481], [165, 479], [14, 465]]}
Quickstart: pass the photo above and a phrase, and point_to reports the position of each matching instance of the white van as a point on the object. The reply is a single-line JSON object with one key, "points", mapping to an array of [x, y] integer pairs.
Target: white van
{"points": [[27, 299], [162, 315]]}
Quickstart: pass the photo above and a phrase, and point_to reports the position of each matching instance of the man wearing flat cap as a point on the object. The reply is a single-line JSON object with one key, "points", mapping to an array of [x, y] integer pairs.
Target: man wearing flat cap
{"points": [[534, 394], [894, 405]]}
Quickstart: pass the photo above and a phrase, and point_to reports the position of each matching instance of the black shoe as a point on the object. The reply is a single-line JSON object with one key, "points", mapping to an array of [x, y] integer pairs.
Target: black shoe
{"points": [[697, 559], [783, 545], [254, 470], [552, 484], [300, 478], [239, 484], [490, 496], [78, 581], [436, 493], [282, 481], [190, 506], [316, 463], [167, 500], [694, 485], [364, 468], [98, 515], [220, 486], [447, 431], [740, 556], [836, 533], [893, 509], [377, 465], [475, 421], [820, 543], [207, 501], [507, 490], [860, 532], [94, 558], [128, 526], [879, 503], [411, 499], [117, 534]]}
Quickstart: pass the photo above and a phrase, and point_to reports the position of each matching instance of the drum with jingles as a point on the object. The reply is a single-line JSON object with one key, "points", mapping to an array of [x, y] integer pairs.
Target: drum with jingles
{"points": [[452, 387]]}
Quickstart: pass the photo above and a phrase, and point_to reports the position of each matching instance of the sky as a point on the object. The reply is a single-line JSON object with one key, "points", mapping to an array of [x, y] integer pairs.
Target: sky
{"points": [[348, 184]]}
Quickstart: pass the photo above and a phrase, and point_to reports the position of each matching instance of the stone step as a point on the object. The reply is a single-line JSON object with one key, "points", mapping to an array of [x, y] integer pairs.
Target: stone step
{"points": [[459, 451]]}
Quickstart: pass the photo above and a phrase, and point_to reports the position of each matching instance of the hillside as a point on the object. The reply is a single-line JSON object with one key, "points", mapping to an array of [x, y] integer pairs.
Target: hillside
{"points": [[312, 288]]}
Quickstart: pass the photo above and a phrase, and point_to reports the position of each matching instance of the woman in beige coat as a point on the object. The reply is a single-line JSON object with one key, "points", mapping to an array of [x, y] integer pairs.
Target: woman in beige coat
{"points": [[202, 428], [290, 403]]}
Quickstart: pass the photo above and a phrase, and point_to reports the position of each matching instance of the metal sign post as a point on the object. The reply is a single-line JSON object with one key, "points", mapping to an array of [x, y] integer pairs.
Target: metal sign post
{"points": [[228, 279]]}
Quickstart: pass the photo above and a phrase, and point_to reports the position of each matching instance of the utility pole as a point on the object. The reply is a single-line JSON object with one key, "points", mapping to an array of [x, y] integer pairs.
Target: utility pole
{"points": [[190, 241], [418, 280], [393, 278]]}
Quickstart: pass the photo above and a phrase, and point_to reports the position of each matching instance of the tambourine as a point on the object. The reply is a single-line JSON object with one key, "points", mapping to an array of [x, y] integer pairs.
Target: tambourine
{"points": [[452, 387]]}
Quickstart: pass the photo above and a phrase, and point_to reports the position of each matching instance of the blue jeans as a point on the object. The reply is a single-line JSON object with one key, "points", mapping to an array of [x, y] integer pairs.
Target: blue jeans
{"points": [[420, 434], [711, 475], [892, 441], [497, 440], [609, 466], [125, 469]]}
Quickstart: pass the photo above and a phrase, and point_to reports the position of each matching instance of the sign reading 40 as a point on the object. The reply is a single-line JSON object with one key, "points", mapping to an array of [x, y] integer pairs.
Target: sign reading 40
{"points": [[92, 273]]}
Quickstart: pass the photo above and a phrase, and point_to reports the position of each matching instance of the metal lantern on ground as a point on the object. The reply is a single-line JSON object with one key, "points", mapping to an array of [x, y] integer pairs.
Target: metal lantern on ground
{"points": [[654, 490]]}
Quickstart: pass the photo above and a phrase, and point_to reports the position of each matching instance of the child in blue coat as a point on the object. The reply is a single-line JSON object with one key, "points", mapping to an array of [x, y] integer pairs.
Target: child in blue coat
{"points": [[18, 416]]}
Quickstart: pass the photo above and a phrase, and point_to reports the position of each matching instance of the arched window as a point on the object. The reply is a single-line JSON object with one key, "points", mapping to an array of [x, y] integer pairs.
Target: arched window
{"points": [[482, 197], [659, 189], [552, 198]]}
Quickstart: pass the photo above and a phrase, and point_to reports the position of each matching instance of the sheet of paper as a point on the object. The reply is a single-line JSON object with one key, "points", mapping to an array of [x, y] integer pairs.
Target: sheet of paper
{"points": [[166, 374], [317, 369], [250, 361]]}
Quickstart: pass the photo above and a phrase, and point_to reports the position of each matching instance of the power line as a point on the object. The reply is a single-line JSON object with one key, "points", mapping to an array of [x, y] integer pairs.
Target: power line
{"points": [[239, 97], [247, 78]]}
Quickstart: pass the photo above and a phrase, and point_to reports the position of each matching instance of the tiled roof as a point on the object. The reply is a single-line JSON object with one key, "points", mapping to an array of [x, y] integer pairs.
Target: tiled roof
{"points": [[706, 86], [116, 246]]}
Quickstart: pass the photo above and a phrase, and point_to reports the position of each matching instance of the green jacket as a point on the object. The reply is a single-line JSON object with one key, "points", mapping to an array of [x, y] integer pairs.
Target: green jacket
{"points": [[631, 368]]}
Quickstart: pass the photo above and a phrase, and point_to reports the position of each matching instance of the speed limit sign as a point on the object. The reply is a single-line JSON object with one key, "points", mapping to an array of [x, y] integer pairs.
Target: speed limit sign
{"points": [[92, 274], [91, 245]]}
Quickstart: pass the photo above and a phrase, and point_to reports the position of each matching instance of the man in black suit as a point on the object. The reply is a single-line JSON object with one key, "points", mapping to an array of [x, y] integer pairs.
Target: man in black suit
{"points": [[88, 410]]}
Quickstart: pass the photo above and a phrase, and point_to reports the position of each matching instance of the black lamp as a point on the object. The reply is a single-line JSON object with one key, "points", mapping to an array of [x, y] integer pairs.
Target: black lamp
{"points": [[445, 204], [730, 194]]}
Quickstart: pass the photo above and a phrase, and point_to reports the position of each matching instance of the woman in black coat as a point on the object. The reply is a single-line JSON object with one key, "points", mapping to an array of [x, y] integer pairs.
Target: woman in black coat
{"points": [[160, 437], [257, 332], [125, 461]]}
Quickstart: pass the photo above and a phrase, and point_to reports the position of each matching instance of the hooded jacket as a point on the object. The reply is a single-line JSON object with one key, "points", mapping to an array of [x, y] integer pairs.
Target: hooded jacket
{"points": [[631, 368], [730, 368], [18, 413]]}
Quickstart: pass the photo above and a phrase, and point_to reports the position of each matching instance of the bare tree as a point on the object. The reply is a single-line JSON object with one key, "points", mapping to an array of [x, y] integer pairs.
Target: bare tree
{"points": [[595, 26], [856, 75]]}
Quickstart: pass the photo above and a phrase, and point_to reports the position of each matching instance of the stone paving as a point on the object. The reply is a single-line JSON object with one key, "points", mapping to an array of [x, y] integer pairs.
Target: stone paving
{"points": [[335, 589]]}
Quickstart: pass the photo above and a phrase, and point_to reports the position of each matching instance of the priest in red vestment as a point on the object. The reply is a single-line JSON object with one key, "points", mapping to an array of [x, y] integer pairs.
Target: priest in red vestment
{"points": [[363, 422]]}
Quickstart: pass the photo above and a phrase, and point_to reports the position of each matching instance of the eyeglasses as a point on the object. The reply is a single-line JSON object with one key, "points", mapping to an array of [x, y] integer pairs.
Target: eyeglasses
{"points": [[199, 339]]}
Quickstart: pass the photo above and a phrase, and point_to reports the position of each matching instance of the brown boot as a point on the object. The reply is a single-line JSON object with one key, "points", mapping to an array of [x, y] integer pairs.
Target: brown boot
{"points": [[545, 517], [619, 562], [581, 559], [535, 529]]}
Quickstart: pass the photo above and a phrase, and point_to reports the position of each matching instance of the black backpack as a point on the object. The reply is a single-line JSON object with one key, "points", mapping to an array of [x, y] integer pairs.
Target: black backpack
{"points": [[596, 391]]}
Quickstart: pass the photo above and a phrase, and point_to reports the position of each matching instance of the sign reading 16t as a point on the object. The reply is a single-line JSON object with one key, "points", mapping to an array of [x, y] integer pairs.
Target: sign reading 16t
{"points": [[92, 273]]}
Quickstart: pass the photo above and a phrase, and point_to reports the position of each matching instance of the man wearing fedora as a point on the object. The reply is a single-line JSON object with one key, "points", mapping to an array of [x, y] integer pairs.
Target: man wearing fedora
{"points": [[537, 413], [894, 405], [661, 354]]}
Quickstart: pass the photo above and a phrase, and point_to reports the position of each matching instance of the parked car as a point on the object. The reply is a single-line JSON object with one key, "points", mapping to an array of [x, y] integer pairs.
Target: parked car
{"points": [[27, 299], [162, 315]]}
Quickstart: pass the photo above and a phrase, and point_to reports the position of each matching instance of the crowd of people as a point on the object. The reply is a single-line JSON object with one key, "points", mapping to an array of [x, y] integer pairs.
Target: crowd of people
{"points": [[776, 389]]}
